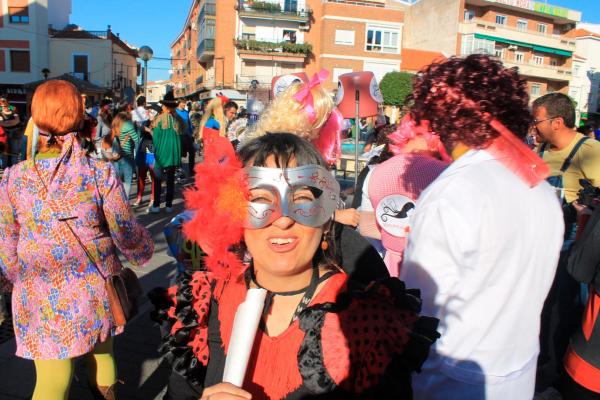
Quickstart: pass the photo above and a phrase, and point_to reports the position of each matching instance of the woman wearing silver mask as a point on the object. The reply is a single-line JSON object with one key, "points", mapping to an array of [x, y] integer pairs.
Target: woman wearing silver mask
{"points": [[320, 335]]}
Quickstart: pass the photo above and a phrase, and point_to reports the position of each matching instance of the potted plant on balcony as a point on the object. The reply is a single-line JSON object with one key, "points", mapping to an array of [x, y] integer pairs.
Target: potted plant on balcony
{"points": [[265, 6]]}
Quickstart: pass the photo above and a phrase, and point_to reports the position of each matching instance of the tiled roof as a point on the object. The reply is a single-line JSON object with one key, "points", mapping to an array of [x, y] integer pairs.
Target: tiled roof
{"points": [[415, 60], [83, 86], [584, 32]]}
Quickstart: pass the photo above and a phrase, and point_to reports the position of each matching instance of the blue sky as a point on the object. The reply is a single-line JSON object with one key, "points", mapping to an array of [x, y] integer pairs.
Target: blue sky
{"points": [[157, 23]]}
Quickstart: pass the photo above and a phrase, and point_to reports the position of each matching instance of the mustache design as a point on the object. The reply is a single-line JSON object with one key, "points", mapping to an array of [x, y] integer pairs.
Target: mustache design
{"points": [[403, 213]]}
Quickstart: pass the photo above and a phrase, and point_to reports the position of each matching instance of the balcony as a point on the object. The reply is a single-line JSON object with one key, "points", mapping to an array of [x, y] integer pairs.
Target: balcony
{"points": [[478, 25], [271, 11], [209, 8], [84, 76], [205, 50], [245, 82], [259, 46], [550, 72], [370, 3]]}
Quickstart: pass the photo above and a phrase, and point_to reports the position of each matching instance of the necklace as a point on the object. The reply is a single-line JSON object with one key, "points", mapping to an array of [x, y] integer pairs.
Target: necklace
{"points": [[309, 292]]}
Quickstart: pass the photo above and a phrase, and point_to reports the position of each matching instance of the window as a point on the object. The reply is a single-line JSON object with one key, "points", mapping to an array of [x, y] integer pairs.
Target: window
{"points": [[536, 89], [472, 45], [290, 6], [344, 37], [80, 66], [499, 52], [501, 19], [537, 59], [522, 25], [469, 15], [519, 56], [541, 28], [18, 15], [383, 40], [339, 71], [19, 61], [554, 62]]}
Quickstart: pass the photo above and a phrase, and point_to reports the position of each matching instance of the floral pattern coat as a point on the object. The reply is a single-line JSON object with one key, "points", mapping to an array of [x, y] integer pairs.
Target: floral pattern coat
{"points": [[60, 306]]}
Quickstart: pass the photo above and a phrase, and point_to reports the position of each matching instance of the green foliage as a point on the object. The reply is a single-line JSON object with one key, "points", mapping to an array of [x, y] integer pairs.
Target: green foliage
{"points": [[266, 6], [395, 86], [268, 47]]}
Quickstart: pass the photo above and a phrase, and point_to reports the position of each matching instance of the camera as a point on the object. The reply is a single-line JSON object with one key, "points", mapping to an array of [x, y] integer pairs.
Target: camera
{"points": [[589, 195]]}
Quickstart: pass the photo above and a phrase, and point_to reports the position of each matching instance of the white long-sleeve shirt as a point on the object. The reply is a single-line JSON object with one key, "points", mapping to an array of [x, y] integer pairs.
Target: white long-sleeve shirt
{"points": [[483, 250]]}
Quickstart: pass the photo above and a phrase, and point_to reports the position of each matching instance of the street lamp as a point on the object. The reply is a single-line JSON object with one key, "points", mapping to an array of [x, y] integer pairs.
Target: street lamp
{"points": [[145, 53]]}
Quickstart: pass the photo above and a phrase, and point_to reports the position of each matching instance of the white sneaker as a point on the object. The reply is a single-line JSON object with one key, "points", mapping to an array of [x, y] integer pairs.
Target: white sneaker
{"points": [[169, 209], [154, 210]]}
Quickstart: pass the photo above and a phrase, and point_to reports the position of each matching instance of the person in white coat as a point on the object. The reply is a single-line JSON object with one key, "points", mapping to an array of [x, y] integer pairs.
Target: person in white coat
{"points": [[485, 236]]}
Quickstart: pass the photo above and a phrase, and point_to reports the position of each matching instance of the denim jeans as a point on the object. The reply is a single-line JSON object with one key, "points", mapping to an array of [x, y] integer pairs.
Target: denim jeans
{"points": [[126, 167]]}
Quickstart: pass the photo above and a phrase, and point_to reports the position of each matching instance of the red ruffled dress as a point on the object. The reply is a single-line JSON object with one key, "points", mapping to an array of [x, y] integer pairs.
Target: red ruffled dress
{"points": [[349, 343]]}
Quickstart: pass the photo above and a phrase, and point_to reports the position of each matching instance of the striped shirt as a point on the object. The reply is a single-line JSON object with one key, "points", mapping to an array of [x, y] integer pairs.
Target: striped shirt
{"points": [[127, 144]]}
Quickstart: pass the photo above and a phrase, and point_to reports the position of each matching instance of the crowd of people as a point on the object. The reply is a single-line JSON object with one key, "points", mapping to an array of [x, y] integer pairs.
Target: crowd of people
{"points": [[467, 265]]}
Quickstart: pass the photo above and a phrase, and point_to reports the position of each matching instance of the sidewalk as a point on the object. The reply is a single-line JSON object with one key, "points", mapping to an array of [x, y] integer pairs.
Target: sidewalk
{"points": [[138, 362]]}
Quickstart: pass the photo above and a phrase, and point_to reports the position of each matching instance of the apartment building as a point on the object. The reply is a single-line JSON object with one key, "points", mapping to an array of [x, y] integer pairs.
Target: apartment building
{"points": [[157, 90], [239, 45], [350, 36], [585, 85], [243, 44], [188, 73], [99, 57], [24, 41], [533, 36]]}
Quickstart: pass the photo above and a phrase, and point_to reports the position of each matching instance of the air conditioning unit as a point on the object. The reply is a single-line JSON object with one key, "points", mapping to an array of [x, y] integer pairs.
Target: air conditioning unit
{"points": [[304, 27], [513, 47]]}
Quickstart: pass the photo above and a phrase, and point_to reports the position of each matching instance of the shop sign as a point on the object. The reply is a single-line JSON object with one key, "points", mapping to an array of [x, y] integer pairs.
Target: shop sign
{"points": [[555, 11], [527, 4]]}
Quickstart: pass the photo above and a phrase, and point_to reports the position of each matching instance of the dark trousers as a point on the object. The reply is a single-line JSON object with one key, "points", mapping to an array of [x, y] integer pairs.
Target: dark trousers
{"points": [[168, 174], [189, 149]]}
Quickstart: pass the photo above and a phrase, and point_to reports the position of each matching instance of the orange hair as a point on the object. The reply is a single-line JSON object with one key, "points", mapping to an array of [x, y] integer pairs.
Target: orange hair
{"points": [[56, 107]]}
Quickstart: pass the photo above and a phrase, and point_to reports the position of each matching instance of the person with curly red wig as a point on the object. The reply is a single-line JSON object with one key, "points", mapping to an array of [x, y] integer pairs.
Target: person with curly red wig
{"points": [[485, 235]]}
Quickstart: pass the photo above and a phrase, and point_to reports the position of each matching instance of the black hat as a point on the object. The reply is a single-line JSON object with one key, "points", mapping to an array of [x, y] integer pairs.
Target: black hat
{"points": [[169, 100]]}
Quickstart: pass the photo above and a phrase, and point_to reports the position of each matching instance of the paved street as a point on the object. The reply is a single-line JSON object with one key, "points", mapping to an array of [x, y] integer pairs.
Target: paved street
{"points": [[139, 364]]}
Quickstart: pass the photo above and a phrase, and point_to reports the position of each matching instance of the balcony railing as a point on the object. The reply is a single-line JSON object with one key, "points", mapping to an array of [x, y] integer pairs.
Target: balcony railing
{"points": [[551, 72], [490, 26], [205, 47], [365, 4], [259, 46], [84, 76], [271, 11]]}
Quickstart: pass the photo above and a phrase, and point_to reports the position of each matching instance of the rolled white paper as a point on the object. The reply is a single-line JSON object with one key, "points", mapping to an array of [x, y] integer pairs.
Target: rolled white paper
{"points": [[245, 325]]}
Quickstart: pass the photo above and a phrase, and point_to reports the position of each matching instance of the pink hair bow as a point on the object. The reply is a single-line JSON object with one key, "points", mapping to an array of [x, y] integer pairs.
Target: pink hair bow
{"points": [[305, 97], [409, 130]]}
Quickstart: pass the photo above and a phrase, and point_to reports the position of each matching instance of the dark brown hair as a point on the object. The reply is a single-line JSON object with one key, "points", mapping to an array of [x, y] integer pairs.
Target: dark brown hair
{"points": [[460, 96]]}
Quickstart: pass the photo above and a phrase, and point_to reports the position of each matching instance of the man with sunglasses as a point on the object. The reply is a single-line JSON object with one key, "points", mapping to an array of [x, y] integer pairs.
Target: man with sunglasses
{"points": [[571, 156]]}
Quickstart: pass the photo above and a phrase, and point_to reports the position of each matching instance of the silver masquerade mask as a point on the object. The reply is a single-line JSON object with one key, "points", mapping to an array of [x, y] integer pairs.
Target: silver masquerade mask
{"points": [[309, 195]]}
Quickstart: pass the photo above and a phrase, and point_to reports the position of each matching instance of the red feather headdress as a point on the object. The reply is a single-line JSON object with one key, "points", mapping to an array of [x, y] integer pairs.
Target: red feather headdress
{"points": [[219, 200]]}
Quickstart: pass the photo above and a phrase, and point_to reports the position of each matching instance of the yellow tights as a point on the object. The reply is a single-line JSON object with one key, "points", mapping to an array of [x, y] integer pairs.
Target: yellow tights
{"points": [[54, 376]]}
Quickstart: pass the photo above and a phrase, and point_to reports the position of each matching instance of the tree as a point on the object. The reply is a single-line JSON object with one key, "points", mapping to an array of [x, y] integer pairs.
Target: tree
{"points": [[395, 86]]}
